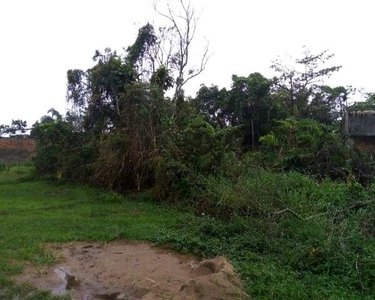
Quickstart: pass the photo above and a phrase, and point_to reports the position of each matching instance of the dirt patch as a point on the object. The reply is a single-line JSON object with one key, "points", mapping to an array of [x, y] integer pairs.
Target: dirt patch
{"points": [[133, 271]]}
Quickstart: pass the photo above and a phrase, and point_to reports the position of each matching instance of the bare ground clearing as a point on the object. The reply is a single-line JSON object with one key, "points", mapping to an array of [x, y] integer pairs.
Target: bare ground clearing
{"points": [[132, 270]]}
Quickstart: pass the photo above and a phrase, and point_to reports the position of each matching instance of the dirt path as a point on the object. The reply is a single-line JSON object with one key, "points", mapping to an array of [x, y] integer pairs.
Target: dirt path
{"points": [[133, 270]]}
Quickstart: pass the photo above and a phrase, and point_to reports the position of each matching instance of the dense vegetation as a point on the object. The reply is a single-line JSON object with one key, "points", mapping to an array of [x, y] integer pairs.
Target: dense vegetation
{"points": [[124, 133], [260, 170], [305, 254]]}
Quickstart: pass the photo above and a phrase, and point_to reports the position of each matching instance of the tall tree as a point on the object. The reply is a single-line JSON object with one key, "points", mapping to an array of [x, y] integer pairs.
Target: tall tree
{"points": [[212, 102], [247, 104], [177, 44], [302, 81], [122, 109], [98, 94], [251, 103], [328, 105]]}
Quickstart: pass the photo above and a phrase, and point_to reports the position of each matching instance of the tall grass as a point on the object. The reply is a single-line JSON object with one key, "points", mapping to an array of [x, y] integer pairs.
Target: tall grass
{"points": [[290, 236], [320, 251]]}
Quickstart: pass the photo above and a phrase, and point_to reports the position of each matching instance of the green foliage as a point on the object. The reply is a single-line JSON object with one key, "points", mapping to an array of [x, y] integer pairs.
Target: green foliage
{"points": [[312, 148], [213, 104], [272, 249], [277, 255], [120, 115], [328, 104], [162, 79], [303, 82], [197, 148], [127, 154], [250, 97], [34, 213], [53, 142], [252, 191], [262, 165], [368, 104], [145, 40], [247, 104], [302, 134]]}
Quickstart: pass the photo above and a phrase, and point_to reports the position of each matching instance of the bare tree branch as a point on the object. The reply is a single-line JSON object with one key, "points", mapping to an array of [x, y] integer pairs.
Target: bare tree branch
{"points": [[184, 27]]}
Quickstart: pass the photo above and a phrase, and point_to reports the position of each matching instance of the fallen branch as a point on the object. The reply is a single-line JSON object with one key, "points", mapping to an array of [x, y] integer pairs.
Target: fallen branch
{"points": [[288, 210], [153, 281], [355, 205]]}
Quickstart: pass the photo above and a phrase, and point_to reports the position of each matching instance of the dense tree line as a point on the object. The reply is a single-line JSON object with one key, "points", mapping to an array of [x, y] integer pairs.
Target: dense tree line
{"points": [[263, 163], [122, 131], [265, 158]]}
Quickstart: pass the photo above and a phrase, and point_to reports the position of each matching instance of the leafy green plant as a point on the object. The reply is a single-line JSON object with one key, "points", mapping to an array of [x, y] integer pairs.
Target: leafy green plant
{"points": [[53, 143], [189, 152]]}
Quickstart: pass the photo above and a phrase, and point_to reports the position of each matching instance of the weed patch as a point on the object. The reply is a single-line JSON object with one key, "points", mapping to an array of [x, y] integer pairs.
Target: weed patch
{"points": [[330, 256]]}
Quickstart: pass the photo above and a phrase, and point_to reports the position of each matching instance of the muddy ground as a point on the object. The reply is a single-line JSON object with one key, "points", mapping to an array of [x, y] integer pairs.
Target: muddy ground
{"points": [[132, 270]]}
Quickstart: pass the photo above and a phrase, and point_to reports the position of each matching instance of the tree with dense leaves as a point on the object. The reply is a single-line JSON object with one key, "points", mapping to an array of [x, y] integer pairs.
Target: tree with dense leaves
{"points": [[18, 125], [96, 92], [247, 104], [250, 103], [232, 107], [212, 102], [328, 105], [120, 104], [55, 115]]}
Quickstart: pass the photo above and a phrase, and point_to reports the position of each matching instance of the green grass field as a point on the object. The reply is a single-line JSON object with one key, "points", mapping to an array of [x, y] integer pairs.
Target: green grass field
{"points": [[34, 212], [278, 259]]}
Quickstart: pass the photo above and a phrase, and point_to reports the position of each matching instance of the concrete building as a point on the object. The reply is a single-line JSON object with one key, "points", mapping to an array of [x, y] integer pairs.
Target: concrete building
{"points": [[359, 127]]}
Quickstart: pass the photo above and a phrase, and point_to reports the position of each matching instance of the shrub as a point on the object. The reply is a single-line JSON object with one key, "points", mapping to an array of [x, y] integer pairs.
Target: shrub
{"points": [[309, 147], [190, 151], [259, 192], [54, 140]]}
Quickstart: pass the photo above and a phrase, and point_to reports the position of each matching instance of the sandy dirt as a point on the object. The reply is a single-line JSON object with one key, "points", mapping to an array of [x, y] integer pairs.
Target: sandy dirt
{"points": [[132, 270]]}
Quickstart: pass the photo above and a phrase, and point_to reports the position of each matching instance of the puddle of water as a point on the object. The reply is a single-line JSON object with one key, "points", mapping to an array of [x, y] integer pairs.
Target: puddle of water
{"points": [[68, 281], [71, 283], [109, 296], [112, 296]]}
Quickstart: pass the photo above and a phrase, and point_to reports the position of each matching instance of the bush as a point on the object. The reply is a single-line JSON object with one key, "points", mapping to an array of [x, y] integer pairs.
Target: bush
{"points": [[53, 143], [189, 152], [259, 192], [309, 147]]}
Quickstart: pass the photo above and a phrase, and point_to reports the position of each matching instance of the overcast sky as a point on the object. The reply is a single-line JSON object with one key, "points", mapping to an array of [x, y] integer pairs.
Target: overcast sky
{"points": [[41, 39]]}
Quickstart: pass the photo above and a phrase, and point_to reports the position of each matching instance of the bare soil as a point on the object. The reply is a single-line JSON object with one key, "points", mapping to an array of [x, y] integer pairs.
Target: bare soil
{"points": [[132, 270]]}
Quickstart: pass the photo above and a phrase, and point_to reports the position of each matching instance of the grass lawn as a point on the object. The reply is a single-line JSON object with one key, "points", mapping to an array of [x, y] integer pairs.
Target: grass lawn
{"points": [[34, 212], [283, 259]]}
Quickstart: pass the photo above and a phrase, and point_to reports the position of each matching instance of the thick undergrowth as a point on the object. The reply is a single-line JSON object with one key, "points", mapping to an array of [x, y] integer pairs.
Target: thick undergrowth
{"points": [[260, 172], [305, 239]]}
